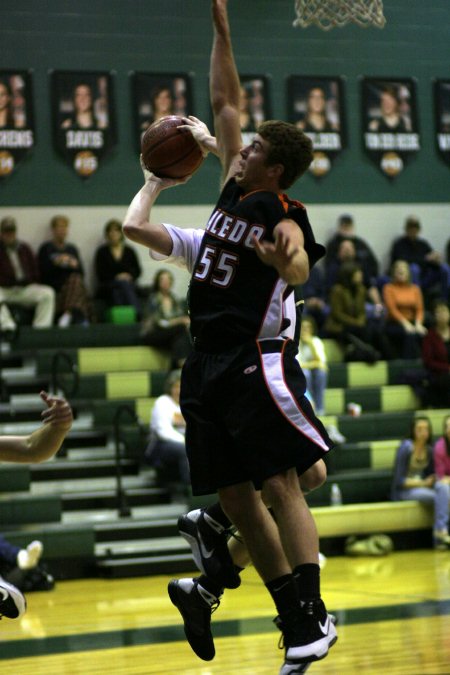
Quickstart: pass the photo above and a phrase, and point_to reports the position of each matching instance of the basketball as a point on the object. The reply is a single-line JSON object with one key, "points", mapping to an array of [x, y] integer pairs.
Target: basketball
{"points": [[170, 152]]}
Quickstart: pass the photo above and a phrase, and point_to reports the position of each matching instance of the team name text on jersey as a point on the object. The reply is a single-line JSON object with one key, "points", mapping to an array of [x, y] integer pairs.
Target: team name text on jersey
{"points": [[236, 230]]}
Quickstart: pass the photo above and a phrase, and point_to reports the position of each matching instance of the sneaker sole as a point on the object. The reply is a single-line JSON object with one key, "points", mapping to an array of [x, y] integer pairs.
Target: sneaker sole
{"points": [[294, 668], [18, 598], [299, 667], [324, 646]]}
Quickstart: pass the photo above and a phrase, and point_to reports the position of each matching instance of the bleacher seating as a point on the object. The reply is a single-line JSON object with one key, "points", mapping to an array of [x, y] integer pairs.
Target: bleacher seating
{"points": [[72, 503]]}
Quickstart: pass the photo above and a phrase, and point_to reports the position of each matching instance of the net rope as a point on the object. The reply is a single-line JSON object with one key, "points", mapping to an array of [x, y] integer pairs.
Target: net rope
{"points": [[327, 14]]}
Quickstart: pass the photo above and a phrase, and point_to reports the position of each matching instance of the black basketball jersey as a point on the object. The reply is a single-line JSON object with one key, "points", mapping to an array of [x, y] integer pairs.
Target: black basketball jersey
{"points": [[233, 296]]}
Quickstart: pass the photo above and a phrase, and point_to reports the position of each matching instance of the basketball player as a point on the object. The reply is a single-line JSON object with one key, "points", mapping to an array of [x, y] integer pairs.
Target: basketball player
{"points": [[249, 427], [35, 447]]}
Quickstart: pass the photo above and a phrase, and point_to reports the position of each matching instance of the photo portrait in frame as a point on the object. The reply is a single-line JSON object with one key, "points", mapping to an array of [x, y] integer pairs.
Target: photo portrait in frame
{"points": [[442, 117], [83, 118], [254, 104], [17, 134], [157, 95], [390, 125], [316, 106]]}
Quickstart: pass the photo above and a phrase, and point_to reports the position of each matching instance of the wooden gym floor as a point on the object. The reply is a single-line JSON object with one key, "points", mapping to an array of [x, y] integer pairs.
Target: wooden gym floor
{"points": [[393, 612]]}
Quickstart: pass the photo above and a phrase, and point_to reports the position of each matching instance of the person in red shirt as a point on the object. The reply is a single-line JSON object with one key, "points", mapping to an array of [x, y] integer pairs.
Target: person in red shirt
{"points": [[436, 356], [441, 454]]}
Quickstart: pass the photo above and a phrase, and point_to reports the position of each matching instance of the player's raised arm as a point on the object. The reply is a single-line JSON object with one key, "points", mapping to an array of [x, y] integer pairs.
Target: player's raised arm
{"points": [[138, 225], [224, 89]]}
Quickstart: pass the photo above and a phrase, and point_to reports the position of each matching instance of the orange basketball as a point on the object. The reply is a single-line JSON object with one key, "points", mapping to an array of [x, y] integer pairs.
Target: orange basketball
{"points": [[170, 152]]}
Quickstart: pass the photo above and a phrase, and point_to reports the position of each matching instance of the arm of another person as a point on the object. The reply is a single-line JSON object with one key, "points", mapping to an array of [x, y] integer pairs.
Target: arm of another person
{"points": [[224, 91], [45, 441], [419, 309]]}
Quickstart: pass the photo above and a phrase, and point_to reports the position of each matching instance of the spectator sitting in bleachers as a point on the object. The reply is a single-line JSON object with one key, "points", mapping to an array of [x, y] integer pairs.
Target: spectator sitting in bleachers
{"points": [[426, 263], [363, 253], [166, 448], [61, 268], [19, 281], [441, 454], [405, 312], [346, 253], [166, 325], [414, 478], [436, 356], [348, 322], [314, 295], [313, 360], [117, 268], [13, 556]]}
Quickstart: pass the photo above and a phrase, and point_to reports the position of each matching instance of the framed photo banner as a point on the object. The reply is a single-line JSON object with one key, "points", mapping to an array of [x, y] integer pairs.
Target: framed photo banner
{"points": [[17, 134], [157, 95], [254, 104], [442, 113], [316, 105], [389, 110], [84, 125]]}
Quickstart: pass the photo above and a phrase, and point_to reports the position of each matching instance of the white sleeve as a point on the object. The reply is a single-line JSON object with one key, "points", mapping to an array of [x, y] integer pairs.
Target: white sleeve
{"points": [[186, 245], [161, 422]]}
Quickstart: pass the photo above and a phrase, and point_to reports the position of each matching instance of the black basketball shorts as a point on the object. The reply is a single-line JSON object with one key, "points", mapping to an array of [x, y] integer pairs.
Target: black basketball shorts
{"points": [[247, 417]]}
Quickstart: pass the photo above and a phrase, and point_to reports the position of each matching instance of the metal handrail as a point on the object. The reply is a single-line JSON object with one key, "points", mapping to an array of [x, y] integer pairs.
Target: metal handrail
{"points": [[56, 372], [121, 497]]}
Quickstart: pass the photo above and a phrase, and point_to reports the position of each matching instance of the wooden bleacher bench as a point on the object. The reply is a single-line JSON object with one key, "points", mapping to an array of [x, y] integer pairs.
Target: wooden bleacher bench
{"points": [[385, 517]]}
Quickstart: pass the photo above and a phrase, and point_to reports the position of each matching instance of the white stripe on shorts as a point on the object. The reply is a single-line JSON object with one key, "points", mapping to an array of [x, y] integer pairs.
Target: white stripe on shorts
{"points": [[274, 376]]}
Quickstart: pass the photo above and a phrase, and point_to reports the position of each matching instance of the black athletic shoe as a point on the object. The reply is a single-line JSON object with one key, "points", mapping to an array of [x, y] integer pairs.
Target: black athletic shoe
{"points": [[195, 605], [308, 635], [208, 541], [12, 602]]}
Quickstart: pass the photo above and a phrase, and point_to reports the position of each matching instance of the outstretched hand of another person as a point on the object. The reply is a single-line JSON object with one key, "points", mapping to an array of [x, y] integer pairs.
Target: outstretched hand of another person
{"points": [[58, 412], [201, 134]]}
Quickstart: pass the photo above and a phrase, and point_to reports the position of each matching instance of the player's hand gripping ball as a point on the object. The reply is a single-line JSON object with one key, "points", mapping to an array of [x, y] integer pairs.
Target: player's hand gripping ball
{"points": [[170, 152]]}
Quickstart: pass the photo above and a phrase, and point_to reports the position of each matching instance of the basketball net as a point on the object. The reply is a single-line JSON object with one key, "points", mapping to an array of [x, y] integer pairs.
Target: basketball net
{"points": [[327, 14]]}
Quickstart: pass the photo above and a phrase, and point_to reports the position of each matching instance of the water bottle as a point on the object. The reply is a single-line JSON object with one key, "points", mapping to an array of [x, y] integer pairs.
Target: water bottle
{"points": [[336, 495]]}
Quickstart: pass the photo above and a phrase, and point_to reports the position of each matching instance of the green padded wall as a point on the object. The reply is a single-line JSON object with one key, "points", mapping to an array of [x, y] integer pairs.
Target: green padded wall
{"points": [[174, 35]]}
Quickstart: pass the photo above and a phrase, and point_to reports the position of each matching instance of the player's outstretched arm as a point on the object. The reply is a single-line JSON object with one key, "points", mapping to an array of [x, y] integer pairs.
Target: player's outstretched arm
{"points": [[137, 225], [224, 88], [45, 441]]}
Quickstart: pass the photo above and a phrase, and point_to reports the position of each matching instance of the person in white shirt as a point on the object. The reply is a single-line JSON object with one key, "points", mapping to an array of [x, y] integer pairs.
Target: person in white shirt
{"points": [[313, 360], [166, 449]]}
